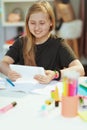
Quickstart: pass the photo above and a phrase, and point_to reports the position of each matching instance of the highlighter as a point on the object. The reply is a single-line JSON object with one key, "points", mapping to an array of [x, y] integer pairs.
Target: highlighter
{"points": [[8, 107], [52, 94], [56, 97]]}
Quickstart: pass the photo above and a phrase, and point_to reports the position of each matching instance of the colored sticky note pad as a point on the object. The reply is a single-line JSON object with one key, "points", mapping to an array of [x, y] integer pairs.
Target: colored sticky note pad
{"points": [[83, 115], [82, 90], [84, 84], [83, 81]]}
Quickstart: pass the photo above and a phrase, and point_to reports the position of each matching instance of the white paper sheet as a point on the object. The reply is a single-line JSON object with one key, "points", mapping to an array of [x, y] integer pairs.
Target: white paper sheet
{"points": [[27, 72], [46, 89], [35, 87]]}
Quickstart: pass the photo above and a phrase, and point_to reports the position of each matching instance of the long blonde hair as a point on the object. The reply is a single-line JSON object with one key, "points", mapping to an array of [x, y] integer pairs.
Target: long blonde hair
{"points": [[29, 47]]}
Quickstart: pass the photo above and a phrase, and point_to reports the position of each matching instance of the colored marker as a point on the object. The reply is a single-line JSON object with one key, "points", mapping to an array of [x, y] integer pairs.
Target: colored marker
{"points": [[56, 97], [65, 86], [52, 94], [8, 107], [10, 82]]}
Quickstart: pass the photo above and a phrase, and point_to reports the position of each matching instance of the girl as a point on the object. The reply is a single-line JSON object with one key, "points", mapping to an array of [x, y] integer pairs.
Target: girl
{"points": [[39, 47]]}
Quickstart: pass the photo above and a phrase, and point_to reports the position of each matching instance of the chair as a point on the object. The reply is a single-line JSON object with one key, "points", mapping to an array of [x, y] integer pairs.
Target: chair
{"points": [[71, 28], [71, 31]]}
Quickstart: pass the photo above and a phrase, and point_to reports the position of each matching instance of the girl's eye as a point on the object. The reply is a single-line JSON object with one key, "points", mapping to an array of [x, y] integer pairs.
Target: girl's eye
{"points": [[32, 23], [42, 23]]}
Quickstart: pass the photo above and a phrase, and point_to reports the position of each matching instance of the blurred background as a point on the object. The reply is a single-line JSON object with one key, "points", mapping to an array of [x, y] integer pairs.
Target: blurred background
{"points": [[71, 23]]}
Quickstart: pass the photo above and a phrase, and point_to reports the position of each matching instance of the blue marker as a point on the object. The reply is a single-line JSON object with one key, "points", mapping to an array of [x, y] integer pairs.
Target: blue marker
{"points": [[10, 82]]}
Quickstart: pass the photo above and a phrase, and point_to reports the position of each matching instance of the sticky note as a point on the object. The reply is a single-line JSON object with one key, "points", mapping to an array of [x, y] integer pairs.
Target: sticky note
{"points": [[83, 115]]}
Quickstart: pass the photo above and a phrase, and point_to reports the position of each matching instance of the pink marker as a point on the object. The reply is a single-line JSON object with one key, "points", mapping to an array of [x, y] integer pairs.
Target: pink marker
{"points": [[8, 107], [72, 87]]}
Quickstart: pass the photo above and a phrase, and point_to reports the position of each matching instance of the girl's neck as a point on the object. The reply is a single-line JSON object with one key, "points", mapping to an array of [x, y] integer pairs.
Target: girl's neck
{"points": [[42, 40]]}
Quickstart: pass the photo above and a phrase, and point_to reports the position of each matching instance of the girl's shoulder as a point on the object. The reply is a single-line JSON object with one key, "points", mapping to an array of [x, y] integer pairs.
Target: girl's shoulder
{"points": [[21, 40], [57, 39]]}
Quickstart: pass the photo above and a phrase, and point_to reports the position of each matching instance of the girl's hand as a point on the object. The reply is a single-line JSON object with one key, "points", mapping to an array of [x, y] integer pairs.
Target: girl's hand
{"points": [[47, 78], [13, 75]]}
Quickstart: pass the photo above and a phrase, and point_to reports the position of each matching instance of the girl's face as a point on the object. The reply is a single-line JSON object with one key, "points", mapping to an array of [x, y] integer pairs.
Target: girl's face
{"points": [[39, 25]]}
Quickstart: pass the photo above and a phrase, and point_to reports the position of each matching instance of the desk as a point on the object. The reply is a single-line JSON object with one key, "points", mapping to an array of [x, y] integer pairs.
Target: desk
{"points": [[26, 115]]}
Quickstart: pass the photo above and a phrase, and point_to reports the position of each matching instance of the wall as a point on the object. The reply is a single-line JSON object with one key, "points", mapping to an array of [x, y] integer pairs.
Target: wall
{"points": [[10, 32], [76, 6]]}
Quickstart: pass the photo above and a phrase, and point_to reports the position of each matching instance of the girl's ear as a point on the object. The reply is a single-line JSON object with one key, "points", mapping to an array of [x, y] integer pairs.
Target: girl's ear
{"points": [[51, 23]]}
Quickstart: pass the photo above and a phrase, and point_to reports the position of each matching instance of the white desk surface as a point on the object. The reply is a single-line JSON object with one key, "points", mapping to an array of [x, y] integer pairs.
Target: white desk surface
{"points": [[26, 115]]}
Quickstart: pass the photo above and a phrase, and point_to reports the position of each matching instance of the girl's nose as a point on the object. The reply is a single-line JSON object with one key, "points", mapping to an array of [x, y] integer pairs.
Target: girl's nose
{"points": [[37, 26]]}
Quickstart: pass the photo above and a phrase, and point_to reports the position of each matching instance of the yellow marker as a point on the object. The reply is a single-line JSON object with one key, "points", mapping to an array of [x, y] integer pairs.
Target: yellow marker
{"points": [[56, 97], [65, 86], [52, 94]]}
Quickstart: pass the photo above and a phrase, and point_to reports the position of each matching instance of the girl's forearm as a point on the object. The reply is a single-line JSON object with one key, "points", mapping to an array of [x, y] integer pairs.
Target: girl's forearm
{"points": [[4, 68], [79, 69]]}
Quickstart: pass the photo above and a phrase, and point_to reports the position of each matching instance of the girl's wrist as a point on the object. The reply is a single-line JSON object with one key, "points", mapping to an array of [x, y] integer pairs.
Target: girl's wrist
{"points": [[57, 75]]}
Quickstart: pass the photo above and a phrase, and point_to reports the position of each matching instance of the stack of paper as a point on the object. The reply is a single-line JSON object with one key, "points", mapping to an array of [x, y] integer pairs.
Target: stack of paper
{"points": [[28, 84]]}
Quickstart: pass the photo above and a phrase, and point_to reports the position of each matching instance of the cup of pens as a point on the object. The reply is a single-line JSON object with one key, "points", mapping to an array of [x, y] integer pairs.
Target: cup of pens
{"points": [[70, 99]]}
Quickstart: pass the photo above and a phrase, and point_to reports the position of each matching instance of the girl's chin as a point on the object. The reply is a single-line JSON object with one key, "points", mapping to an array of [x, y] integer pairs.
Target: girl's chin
{"points": [[38, 36]]}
